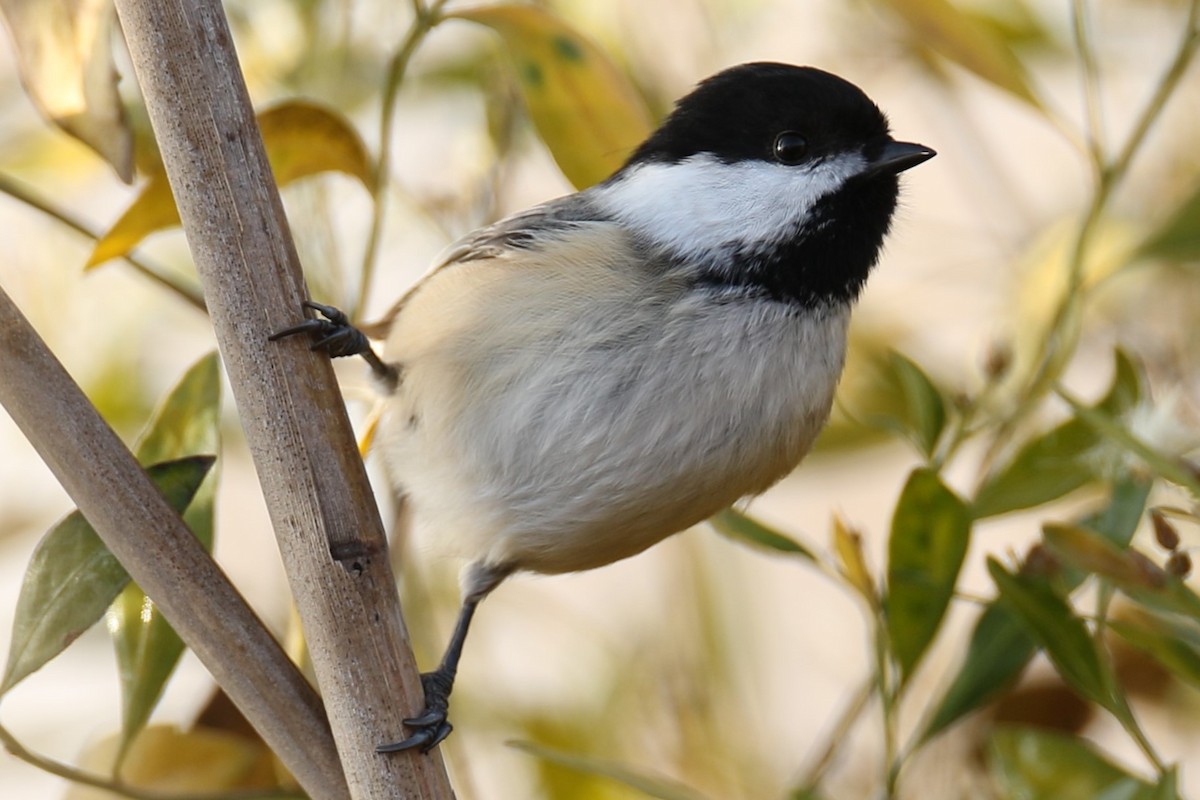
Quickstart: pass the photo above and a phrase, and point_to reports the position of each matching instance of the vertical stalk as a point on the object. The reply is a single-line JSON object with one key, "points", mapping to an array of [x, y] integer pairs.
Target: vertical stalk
{"points": [[424, 20], [315, 485]]}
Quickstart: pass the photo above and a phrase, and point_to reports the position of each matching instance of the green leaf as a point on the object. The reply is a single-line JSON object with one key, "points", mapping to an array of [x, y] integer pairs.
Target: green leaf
{"points": [[997, 654], [1040, 765], [931, 529], [1179, 238], [1168, 785], [1126, 388], [186, 424], [1118, 520], [1045, 469], [806, 793], [965, 40], [1055, 464], [739, 527], [585, 109], [649, 785], [301, 139], [72, 578], [1166, 643], [999, 648], [1052, 623], [921, 415], [147, 649]]}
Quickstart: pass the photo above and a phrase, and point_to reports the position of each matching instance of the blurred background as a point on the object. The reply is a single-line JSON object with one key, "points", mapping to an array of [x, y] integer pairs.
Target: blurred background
{"points": [[703, 663]]}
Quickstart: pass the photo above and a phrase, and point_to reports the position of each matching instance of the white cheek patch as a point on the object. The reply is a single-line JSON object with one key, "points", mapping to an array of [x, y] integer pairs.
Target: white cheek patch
{"points": [[697, 205]]}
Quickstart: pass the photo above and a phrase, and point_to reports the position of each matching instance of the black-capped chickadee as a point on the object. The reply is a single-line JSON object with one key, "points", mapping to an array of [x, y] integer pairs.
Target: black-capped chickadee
{"points": [[581, 380]]}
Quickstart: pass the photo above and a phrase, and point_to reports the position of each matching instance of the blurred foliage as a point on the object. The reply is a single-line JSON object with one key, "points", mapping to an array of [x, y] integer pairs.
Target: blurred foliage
{"points": [[1013, 434]]}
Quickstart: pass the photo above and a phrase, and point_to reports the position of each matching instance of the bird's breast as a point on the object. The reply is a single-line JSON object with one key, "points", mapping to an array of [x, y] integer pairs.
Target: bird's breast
{"points": [[608, 429]]}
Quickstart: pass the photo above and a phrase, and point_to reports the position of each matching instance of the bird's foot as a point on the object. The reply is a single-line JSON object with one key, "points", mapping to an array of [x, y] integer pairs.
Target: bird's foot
{"points": [[334, 335], [431, 727]]}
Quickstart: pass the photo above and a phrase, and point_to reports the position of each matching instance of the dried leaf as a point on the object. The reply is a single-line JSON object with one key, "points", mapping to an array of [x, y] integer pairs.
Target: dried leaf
{"points": [[649, 785], [966, 41], [1092, 553], [64, 53], [847, 546], [164, 759]]}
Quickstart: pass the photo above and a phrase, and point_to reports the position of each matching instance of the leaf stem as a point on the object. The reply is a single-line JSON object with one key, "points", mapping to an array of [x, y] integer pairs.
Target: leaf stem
{"points": [[425, 19], [1131, 726], [888, 692], [187, 290], [838, 736]]}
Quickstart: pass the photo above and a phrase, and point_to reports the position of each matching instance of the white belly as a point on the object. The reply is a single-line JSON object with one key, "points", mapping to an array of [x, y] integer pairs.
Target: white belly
{"points": [[616, 439]]}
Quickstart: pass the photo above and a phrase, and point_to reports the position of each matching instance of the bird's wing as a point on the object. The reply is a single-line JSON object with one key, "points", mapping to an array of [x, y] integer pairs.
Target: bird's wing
{"points": [[525, 230]]}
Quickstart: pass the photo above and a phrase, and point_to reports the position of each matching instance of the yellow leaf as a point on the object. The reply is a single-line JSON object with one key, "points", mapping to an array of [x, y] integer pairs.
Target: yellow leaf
{"points": [[586, 110], [847, 545], [151, 211], [301, 139], [64, 54], [165, 759], [964, 40]]}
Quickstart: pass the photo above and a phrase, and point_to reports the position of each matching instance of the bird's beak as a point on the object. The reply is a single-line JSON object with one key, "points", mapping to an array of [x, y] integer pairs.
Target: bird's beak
{"points": [[895, 157]]}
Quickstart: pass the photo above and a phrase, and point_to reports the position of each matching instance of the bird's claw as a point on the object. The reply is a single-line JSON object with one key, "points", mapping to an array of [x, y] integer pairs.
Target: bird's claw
{"points": [[430, 727], [425, 739], [337, 337]]}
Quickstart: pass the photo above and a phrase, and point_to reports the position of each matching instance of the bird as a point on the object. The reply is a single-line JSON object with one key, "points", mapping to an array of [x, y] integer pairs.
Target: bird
{"points": [[576, 382]]}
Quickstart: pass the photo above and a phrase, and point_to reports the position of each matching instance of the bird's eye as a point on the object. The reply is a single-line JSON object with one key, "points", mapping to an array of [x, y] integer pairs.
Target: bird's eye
{"points": [[790, 148]]}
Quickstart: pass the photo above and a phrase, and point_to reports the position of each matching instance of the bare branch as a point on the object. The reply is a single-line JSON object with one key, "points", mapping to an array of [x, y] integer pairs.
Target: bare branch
{"points": [[314, 481], [154, 545]]}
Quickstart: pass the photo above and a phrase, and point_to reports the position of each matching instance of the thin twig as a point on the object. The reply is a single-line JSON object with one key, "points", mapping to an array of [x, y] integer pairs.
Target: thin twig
{"points": [[1091, 81], [424, 20], [185, 289], [838, 736], [1162, 92]]}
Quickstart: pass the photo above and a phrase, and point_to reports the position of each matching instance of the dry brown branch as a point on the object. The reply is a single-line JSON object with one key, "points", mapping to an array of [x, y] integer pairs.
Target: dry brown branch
{"points": [[160, 553], [315, 485]]}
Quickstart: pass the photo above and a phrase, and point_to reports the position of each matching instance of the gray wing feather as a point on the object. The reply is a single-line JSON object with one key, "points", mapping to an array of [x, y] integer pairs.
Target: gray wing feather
{"points": [[521, 231]]}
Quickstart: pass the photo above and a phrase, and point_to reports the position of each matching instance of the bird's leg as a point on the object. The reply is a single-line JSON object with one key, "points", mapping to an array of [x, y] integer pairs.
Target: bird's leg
{"points": [[431, 727], [337, 337]]}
